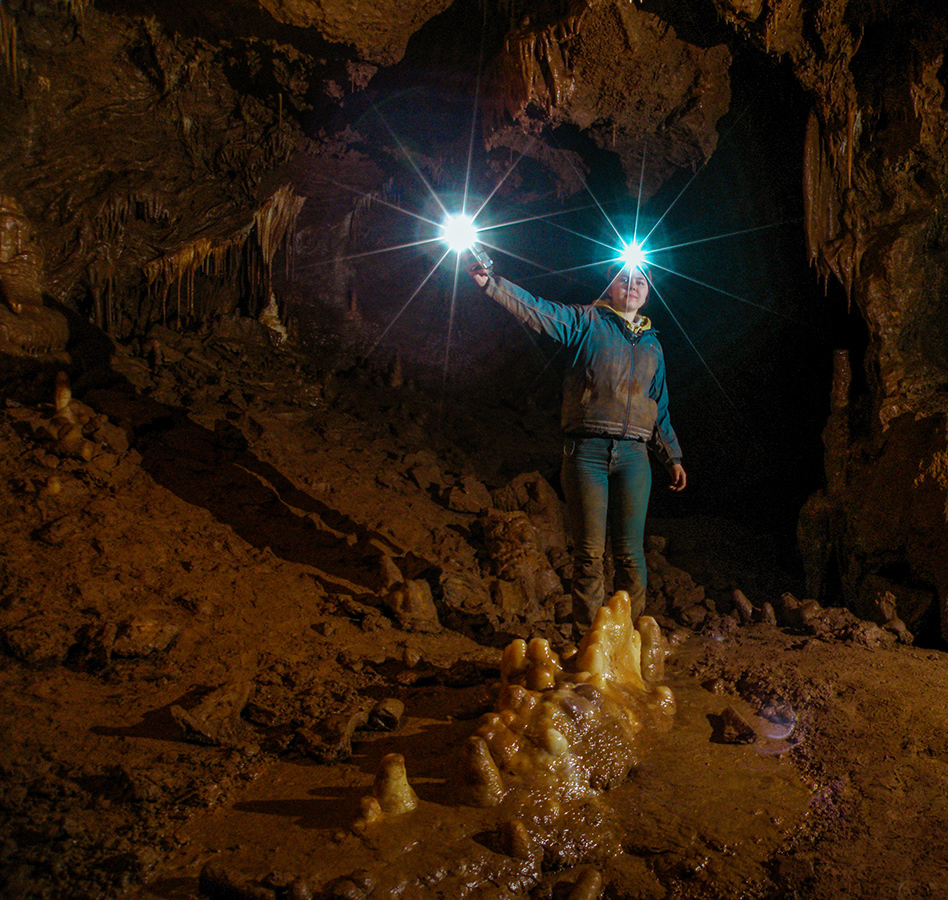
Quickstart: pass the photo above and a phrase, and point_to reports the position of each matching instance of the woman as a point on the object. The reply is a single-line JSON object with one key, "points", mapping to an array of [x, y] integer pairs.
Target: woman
{"points": [[615, 408]]}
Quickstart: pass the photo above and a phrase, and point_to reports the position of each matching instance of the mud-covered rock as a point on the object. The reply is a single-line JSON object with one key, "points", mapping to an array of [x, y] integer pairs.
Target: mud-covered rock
{"points": [[386, 715], [469, 495], [143, 636], [216, 719], [514, 555], [412, 606], [331, 738], [532, 494], [38, 641], [218, 883], [744, 608], [730, 727]]}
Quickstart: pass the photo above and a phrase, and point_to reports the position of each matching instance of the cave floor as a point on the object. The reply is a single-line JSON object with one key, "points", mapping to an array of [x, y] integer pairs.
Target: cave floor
{"points": [[178, 578], [696, 811]]}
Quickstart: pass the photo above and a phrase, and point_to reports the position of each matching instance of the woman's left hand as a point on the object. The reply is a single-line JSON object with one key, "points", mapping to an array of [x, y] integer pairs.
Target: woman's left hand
{"points": [[480, 275], [678, 477]]}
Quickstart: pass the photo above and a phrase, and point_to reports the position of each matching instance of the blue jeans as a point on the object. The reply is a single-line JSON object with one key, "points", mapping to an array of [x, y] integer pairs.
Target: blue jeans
{"points": [[606, 482]]}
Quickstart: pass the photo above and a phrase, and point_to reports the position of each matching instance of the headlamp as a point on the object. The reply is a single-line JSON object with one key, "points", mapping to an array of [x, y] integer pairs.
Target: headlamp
{"points": [[633, 255]]}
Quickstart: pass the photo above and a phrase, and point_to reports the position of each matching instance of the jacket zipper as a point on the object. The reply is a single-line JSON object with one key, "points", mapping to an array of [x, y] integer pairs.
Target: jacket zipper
{"points": [[633, 340]]}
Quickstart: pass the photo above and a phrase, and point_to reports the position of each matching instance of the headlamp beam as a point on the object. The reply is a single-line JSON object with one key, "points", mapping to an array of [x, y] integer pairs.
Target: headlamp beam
{"points": [[633, 255]]}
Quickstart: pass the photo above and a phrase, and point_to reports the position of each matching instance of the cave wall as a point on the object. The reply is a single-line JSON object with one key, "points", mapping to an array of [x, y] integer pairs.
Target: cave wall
{"points": [[165, 157], [874, 187], [622, 76], [141, 168]]}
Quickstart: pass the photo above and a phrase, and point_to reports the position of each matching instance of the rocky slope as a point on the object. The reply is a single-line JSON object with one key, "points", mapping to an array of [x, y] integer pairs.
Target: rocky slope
{"points": [[216, 622]]}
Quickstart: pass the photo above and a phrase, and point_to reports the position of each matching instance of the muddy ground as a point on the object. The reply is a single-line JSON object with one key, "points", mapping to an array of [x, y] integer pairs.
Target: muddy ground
{"points": [[233, 578]]}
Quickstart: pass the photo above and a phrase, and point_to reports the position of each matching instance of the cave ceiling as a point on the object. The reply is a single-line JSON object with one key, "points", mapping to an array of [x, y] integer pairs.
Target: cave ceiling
{"points": [[137, 129]]}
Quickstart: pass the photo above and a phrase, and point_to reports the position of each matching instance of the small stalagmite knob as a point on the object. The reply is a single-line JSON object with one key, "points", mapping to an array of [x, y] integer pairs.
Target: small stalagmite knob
{"points": [[515, 839], [541, 679], [371, 814], [70, 441], [514, 661], [396, 377], [485, 785], [588, 886], [62, 396], [654, 649], [391, 788]]}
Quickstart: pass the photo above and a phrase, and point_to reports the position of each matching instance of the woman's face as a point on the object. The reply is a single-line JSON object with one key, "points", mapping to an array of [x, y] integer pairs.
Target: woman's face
{"points": [[628, 291]]}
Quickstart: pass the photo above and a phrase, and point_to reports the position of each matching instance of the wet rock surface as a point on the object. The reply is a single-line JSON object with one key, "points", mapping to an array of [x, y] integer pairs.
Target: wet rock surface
{"points": [[165, 164]]}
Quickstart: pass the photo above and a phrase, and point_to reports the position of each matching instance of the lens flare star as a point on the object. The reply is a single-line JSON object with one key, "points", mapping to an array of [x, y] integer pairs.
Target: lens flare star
{"points": [[452, 224], [459, 232], [633, 255]]}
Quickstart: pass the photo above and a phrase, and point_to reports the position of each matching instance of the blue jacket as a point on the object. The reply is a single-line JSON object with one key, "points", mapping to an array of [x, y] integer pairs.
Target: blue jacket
{"points": [[615, 380]]}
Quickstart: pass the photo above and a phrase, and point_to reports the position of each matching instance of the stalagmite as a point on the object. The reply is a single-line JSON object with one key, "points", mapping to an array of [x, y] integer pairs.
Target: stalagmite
{"points": [[62, 396], [392, 790], [654, 649], [515, 839], [485, 786], [559, 730], [270, 317], [588, 886]]}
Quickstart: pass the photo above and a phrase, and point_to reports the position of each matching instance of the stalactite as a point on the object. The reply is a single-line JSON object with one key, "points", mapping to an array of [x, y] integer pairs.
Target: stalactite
{"points": [[77, 9], [275, 220], [835, 228], [850, 139], [811, 187], [112, 218], [272, 229], [149, 207], [820, 197], [8, 46], [178, 269]]}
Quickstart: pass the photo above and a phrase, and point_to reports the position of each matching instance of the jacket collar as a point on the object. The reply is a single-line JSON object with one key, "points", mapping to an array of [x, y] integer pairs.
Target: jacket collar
{"points": [[636, 324]]}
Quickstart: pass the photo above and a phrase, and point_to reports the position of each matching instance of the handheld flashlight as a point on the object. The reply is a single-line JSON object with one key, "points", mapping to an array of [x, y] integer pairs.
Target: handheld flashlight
{"points": [[460, 234]]}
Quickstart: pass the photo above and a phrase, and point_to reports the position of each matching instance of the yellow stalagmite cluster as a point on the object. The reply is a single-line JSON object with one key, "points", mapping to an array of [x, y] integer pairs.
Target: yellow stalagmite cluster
{"points": [[565, 727], [563, 730]]}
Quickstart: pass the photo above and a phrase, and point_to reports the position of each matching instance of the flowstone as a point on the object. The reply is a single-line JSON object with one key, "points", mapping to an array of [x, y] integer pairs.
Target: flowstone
{"points": [[533, 792], [27, 328], [565, 728]]}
